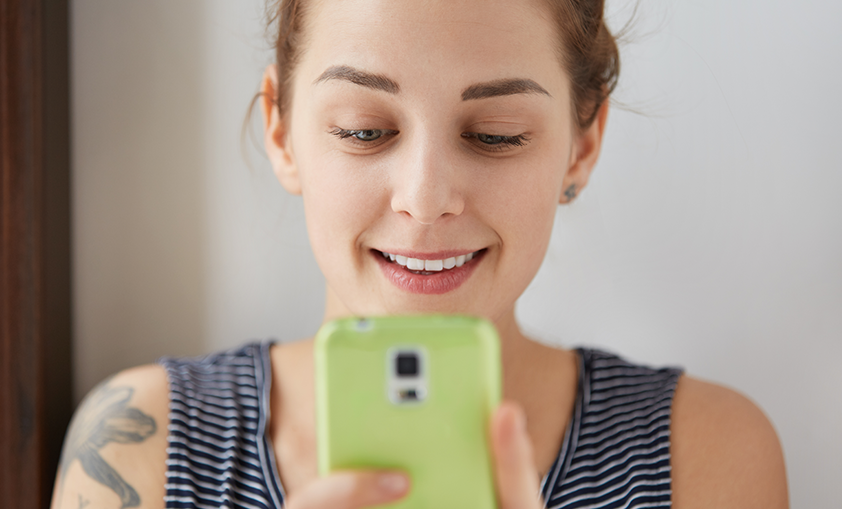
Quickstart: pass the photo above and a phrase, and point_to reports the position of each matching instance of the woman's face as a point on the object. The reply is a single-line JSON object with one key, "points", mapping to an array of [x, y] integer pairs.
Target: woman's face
{"points": [[430, 131]]}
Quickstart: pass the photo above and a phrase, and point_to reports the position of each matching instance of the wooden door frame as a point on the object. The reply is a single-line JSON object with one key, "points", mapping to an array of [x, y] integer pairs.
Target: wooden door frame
{"points": [[35, 265]]}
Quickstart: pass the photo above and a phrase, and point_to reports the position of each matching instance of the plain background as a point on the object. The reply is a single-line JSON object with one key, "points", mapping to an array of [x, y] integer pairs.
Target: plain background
{"points": [[710, 236]]}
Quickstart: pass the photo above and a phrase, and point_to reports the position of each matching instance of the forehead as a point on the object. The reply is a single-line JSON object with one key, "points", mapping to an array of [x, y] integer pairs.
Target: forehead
{"points": [[434, 44]]}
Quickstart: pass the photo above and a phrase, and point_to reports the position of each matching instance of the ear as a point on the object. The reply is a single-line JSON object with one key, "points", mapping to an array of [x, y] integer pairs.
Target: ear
{"points": [[583, 156], [276, 135]]}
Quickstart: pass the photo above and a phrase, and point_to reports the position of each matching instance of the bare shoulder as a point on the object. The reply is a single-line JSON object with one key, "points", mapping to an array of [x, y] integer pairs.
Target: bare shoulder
{"points": [[725, 452], [115, 449]]}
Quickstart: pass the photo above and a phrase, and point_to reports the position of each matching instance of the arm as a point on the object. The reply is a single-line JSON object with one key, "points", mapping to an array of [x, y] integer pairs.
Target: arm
{"points": [[725, 453], [115, 449]]}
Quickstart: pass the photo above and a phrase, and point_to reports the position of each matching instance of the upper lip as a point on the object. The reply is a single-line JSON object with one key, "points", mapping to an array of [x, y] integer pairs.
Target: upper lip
{"points": [[430, 255]]}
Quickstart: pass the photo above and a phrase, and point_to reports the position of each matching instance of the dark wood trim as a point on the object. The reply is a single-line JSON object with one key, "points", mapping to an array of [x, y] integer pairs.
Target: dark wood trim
{"points": [[35, 311]]}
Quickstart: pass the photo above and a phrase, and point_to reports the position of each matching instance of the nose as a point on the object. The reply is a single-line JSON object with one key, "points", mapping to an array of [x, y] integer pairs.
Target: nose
{"points": [[426, 185]]}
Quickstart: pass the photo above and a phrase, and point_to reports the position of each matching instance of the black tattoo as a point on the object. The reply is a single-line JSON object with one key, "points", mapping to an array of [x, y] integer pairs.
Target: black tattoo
{"points": [[570, 192], [105, 417], [83, 503]]}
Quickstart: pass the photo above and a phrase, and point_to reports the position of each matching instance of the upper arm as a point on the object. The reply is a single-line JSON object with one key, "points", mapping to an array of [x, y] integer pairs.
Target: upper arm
{"points": [[725, 452], [114, 453]]}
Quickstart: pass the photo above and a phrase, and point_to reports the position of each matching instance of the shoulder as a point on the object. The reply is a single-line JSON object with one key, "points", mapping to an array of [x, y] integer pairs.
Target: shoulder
{"points": [[114, 453], [725, 452]]}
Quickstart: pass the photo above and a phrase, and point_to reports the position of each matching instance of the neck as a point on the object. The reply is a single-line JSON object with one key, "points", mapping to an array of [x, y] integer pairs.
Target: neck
{"points": [[515, 347], [520, 356]]}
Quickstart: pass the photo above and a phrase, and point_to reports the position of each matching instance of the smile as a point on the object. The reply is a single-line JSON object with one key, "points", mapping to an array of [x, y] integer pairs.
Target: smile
{"points": [[420, 266], [428, 275]]}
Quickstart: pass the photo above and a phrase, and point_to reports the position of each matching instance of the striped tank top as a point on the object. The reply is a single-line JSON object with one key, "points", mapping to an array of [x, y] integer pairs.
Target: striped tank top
{"points": [[615, 452]]}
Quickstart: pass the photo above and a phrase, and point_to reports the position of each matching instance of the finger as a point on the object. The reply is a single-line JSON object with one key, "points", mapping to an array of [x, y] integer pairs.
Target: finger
{"points": [[515, 472], [351, 490]]}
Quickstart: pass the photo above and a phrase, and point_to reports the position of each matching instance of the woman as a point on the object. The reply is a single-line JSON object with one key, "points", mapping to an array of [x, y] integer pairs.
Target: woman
{"points": [[444, 134]]}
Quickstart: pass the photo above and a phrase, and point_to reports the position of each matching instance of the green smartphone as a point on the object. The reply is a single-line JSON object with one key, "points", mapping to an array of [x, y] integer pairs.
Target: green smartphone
{"points": [[413, 393]]}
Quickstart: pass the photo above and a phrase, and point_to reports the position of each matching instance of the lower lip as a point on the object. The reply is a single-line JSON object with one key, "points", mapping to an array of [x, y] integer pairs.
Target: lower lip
{"points": [[432, 284]]}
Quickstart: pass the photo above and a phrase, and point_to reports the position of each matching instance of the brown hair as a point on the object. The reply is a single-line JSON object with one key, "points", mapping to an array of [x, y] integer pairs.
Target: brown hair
{"points": [[587, 50]]}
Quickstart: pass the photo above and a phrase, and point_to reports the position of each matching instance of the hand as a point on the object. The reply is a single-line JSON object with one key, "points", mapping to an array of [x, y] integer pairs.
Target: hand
{"points": [[352, 489], [514, 468]]}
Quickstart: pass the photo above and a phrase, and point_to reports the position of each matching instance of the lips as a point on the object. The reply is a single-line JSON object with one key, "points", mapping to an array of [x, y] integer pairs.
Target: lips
{"points": [[429, 274]]}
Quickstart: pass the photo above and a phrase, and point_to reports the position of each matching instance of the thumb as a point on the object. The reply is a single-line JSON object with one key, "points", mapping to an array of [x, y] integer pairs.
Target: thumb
{"points": [[515, 472]]}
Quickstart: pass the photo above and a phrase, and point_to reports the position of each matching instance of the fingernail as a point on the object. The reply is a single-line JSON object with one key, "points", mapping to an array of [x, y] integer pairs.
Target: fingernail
{"points": [[393, 483]]}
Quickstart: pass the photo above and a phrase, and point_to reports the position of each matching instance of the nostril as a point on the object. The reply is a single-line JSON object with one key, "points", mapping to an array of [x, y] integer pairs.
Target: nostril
{"points": [[428, 200]]}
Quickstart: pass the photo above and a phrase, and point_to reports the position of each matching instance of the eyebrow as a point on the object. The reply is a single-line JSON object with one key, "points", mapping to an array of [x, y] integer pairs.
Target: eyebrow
{"points": [[358, 77], [484, 90], [502, 87]]}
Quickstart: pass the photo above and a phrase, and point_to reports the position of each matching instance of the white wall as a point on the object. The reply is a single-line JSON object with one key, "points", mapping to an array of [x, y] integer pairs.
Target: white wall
{"points": [[711, 236]]}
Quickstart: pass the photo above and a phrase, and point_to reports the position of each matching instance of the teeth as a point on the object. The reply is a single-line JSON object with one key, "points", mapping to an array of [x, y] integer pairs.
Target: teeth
{"points": [[414, 264], [429, 265], [433, 265]]}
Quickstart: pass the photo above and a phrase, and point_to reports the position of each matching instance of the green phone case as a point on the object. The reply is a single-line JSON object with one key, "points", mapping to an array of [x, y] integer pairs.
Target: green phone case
{"points": [[433, 425]]}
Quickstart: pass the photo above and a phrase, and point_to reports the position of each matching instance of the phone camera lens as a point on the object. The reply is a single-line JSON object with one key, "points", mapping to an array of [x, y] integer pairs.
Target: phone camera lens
{"points": [[407, 364], [408, 395]]}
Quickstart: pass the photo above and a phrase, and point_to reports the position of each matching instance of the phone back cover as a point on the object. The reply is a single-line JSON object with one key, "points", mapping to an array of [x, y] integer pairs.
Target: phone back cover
{"points": [[441, 442]]}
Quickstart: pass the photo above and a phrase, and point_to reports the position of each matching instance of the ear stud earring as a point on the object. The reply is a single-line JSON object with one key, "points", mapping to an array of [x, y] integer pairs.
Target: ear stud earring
{"points": [[570, 193]]}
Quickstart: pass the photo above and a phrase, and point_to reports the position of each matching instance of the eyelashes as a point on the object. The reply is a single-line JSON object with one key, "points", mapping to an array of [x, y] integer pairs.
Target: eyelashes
{"points": [[365, 138], [362, 135], [496, 140]]}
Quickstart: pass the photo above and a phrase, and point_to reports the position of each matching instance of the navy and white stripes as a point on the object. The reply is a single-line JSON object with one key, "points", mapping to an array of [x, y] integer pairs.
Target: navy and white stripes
{"points": [[218, 454], [615, 453]]}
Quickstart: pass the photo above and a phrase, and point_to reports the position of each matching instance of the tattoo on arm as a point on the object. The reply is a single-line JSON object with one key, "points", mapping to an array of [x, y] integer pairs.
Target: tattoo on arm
{"points": [[105, 417], [83, 503], [570, 192]]}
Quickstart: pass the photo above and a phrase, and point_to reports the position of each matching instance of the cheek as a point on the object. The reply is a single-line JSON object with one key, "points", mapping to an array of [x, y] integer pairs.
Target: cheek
{"points": [[527, 198], [341, 201], [524, 207]]}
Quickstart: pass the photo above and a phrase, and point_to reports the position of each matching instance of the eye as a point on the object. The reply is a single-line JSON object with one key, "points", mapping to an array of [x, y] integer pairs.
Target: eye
{"points": [[497, 141], [490, 139], [367, 134], [362, 135]]}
